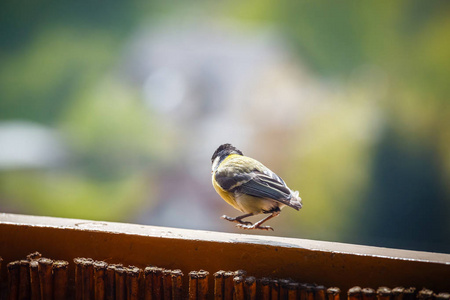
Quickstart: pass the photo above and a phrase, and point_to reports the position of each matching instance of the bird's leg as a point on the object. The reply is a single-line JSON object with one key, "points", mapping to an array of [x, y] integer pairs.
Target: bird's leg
{"points": [[258, 224], [238, 219]]}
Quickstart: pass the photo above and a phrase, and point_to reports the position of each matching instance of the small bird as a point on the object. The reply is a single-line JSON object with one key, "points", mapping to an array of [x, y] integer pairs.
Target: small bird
{"points": [[249, 186]]}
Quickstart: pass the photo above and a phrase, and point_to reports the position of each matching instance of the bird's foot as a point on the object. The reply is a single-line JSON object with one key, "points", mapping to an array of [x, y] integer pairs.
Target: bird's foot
{"points": [[237, 220], [254, 226]]}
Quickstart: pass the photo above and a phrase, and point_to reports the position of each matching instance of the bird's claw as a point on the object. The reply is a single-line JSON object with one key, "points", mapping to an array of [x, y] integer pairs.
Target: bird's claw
{"points": [[225, 217], [244, 226]]}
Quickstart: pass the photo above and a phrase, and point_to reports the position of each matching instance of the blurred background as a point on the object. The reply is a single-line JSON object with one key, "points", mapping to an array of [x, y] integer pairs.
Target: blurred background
{"points": [[111, 110]]}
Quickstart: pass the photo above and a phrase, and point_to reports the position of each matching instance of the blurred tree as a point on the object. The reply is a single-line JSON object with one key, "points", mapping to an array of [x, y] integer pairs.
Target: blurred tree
{"points": [[406, 203], [405, 206], [48, 50], [55, 60]]}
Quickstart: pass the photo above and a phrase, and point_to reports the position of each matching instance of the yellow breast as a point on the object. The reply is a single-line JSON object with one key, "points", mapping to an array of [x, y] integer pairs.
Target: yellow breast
{"points": [[228, 197]]}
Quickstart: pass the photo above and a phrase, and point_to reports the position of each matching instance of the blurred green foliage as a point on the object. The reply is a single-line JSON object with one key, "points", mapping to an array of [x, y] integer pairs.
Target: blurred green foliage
{"points": [[385, 186], [66, 195], [373, 166]]}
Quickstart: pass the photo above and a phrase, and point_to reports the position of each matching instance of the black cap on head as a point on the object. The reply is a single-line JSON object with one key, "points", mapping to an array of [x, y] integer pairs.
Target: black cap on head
{"points": [[225, 150]]}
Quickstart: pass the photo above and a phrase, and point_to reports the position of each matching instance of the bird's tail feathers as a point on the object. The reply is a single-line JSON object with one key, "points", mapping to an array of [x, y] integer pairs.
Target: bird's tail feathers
{"points": [[295, 201]]}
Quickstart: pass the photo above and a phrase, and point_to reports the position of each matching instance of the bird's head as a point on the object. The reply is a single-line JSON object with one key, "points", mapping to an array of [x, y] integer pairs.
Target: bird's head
{"points": [[221, 153]]}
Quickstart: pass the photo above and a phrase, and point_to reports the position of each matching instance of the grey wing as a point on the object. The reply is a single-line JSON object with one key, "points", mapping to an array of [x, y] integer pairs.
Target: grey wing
{"points": [[266, 185], [231, 183]]}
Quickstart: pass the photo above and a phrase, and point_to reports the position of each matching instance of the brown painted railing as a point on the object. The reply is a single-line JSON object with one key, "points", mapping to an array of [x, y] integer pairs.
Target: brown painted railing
{"points": [[127, 261]]}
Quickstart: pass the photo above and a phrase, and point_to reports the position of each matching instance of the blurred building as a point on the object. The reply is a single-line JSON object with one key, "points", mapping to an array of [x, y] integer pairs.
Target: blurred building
{"points": [[27, 145]]}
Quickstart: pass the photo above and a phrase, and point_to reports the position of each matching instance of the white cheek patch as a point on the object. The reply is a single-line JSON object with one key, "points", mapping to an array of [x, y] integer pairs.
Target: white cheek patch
{"points": [[215, 163]]}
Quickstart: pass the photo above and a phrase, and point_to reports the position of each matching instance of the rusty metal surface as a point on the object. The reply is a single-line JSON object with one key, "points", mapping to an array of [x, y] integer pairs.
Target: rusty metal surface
{"points": [[327, 263]]}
